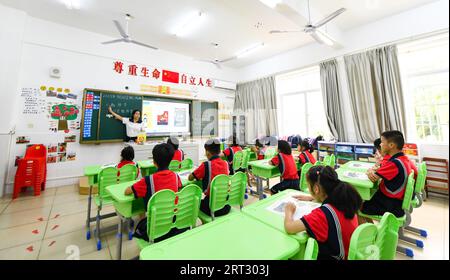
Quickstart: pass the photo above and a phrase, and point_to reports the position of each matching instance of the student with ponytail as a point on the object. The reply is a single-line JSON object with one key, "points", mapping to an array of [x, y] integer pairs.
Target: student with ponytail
{"points": [[306, 151], [333, 223]]}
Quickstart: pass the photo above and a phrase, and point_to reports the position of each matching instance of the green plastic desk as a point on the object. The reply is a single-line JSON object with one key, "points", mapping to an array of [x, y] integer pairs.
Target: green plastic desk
{"points": [[232, 237], [263, 171], [258, 211], [359, 166], [147, 167], [365, 187]]}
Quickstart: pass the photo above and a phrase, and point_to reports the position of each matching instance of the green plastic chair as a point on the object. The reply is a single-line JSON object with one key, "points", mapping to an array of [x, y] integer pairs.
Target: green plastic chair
{"points": [[225, 190], [328, 160], [246, 158], [303, 180], [312, 250], [163, 213], [128, 173], [318, 163], [387, 238], [107, 177], [405, 219], [363, 243], [332, 161], [174, 166], [270, 153], [186, 164], [237, 160], [418, 200]]}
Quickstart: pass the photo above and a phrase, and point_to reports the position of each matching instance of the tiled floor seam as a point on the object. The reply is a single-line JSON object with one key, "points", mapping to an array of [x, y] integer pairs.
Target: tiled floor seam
{"points": [[46, 226]]}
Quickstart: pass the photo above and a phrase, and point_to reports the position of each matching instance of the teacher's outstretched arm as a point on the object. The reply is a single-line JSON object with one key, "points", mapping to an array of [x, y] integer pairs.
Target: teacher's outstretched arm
{"points": [[117, 116]]}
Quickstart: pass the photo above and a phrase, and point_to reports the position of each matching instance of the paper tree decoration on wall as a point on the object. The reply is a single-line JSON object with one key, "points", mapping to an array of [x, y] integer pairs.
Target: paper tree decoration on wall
{"points": [[64, 113]]}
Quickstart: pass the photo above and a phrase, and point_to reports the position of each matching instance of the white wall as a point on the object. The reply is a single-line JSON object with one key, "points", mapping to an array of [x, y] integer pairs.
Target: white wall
{"points": [[12, 23], [85, 63]]}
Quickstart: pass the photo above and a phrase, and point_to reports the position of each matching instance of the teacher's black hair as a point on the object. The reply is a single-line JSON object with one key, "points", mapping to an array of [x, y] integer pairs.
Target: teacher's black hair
{"points": [[132, 116]]}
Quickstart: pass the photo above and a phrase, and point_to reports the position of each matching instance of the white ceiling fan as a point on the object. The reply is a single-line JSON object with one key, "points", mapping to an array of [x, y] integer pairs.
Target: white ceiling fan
{"points": [[313, 29], [217, 62], [125, 35]]}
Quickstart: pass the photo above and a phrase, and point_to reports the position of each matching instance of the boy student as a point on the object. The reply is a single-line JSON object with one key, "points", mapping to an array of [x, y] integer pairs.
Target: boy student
{"points": [[127, 157], [288, 169], [332, 224], [206, 173], [229, 152], [179, 154], [161, 180], [394, 177]]}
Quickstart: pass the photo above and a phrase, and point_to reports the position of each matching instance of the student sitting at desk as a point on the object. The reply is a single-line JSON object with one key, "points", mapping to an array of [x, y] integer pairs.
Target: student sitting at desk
{"points": [[306, 150], [163, 179], [229, 152], [206, 173], [179, 154], [288, 169], [127, 157], [259, 149], [332, 224], [394, 178]]}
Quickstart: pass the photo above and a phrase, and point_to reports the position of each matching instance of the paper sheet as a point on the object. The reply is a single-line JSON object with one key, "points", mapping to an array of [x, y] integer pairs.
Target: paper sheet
{"points": [[361, 165], [356, 175], [302, 207]]}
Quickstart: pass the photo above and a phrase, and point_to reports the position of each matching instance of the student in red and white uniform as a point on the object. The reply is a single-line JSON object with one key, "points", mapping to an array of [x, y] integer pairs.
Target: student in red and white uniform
{"points": [[288, 168], [163, 179], [230, 151], [394, 178], [332, 224], [306, 150], [127, 157], [178, 154], [206, 173]]}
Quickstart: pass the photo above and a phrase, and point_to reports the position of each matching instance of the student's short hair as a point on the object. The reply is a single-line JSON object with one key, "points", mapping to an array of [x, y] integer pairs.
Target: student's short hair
{"points": [[173, 141], [162, 155], [284, 147], [396, 137], [127, 153], [377, 145], [213, 146], [305, 144], [258, 143]]}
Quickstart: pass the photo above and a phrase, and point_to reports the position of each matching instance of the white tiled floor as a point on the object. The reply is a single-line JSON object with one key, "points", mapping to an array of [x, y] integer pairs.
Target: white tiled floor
{"points": [[45, 227]]}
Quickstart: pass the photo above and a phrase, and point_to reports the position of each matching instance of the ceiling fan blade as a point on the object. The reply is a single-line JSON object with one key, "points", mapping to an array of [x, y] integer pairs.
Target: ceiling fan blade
{"points": [[143, 45], [113, 41], [329, 17], [120, 28], [228, 59], [322, 37], [284, 31]]}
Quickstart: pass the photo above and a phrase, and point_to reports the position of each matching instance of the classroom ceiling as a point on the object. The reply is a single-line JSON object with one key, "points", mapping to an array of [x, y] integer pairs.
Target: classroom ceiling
{"points": [[233, 24]]}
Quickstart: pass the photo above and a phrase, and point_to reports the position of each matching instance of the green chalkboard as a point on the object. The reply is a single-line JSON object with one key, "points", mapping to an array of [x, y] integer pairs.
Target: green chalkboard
{"points": [[122, 104]]}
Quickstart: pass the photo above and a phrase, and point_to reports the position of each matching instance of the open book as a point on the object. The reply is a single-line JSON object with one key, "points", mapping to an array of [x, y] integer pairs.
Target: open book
{"points": [[303, 207]]}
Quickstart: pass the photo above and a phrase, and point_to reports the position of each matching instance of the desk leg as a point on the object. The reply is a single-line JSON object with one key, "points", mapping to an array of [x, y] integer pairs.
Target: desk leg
{"points": [[88, 219], [119, 236], [260, 188]]}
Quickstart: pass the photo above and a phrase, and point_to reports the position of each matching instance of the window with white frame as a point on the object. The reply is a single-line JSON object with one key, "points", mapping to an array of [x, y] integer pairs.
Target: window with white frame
{"points": [[300, 104], [424, 68]]}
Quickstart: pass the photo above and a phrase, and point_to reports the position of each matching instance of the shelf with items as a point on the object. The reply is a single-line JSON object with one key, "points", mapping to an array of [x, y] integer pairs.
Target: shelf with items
{"points": [[412, 151]]}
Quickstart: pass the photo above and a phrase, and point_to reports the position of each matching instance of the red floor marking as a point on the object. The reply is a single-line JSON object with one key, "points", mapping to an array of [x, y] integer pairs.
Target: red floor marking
{"points": [[57, 215], [51, 243], [55, 227], [41, 219], [30, 249], [35, 231]]}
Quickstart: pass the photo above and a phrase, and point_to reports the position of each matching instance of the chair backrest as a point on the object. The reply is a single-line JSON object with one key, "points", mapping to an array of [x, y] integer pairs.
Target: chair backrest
{"points": [[327, 160], [227, 190], [387, 237], [174, 166], [187, 164], [237, 160], [303, 174], [318, 163], [36, 151], [128, 173], [270, 153], [332, 161], [408, 192], [363, 243], [421, 178], [167, 210], [246, 158], [311, 250], [107, 177]]}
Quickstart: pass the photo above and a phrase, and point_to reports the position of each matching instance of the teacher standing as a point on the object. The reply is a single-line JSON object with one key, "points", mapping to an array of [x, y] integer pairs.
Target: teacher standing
{"points": [[133, 124]]}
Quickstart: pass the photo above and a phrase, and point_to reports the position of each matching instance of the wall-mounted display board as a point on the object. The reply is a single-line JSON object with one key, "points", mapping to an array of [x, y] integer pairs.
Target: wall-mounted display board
{"points": [[161, 116]]}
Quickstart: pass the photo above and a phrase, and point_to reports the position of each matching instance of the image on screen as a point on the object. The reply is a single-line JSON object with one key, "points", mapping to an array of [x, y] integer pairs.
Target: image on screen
{"points": [[165, 117]]}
